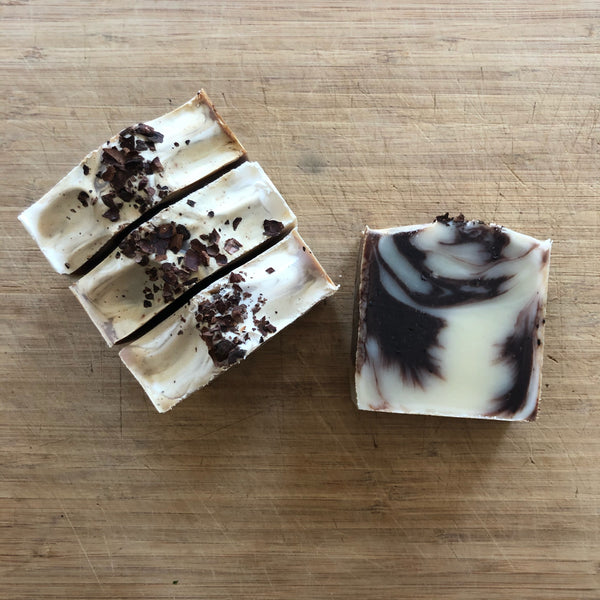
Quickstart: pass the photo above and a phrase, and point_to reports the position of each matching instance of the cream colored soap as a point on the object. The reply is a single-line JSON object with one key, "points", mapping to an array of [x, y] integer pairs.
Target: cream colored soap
{"points": [[157, 262], [450, 320], [225, 323], [132, 172]]}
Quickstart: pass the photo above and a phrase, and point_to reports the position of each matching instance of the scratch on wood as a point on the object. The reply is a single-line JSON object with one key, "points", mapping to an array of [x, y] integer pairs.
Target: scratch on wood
{"points": [[513, 173], [87, 558]]}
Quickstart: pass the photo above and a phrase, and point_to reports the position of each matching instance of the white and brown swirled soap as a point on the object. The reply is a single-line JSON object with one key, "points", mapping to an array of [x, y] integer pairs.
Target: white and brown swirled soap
{"points": [[450, 320]]}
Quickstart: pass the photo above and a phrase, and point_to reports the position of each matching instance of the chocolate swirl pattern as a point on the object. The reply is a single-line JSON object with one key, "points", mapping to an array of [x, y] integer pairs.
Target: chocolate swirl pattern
{"points": [[450, 320]]}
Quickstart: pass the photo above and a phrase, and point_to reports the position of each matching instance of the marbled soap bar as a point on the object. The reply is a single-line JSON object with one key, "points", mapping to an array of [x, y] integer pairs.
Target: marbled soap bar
{"points": [[450, 320], [223, 324], [144, 165], [181, 246]]}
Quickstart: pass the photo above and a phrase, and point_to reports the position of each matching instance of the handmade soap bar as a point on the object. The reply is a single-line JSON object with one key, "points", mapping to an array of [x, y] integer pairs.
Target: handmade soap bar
{"points": [[142, 166], [450, 320], [180, 246], [223, 324]]}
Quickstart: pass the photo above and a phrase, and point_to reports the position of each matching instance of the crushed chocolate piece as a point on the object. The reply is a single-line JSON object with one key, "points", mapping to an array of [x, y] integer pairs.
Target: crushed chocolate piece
{"points": [[156, 165], [272, 228], [446, 219], [236, 277], [232, 246], [264, 326], [187, 142], [221, 259], [83, 197], [212, 250], [218, 320], [211, 213], [86, 170], [191, 260], [270, 270], [236, 222], [226, 222], [149, 132], [191, 203], [125, 168], [213, 237]]}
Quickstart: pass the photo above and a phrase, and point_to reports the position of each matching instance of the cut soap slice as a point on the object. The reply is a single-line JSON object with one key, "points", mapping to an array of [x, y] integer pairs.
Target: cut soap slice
{"points": [[181, 246], [144, 165], [450, 320], [223, 324]]}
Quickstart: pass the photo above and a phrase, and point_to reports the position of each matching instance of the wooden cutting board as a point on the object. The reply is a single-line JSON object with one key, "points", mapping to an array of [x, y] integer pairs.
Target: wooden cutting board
{"points": [[270, 484]]}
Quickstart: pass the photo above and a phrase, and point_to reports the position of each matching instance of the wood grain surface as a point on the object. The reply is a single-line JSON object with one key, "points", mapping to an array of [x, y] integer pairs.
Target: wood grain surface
{"points": [[269, 483]]}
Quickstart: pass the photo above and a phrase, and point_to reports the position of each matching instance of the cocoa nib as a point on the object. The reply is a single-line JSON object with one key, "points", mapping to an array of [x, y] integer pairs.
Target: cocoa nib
{"points": [[236, 277], [264, 326], [446, 219], [272, 228], [112, 214], [218, 320], [83, 197], [126, 170], [149, 132], [231, 246], [153, 242], [156, 165], [213, 237]]}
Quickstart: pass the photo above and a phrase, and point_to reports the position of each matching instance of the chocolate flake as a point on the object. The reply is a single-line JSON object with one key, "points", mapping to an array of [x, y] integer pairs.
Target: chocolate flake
{"points": [[232, 246], [272, 228], [264, 326], [156, 165], [83, 197], [149, 132], [218, 320], [124, 168], [213, 237], [236, 278]]}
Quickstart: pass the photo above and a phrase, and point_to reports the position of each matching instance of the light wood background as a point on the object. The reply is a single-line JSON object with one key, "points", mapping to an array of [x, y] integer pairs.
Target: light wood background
{"points": [[362, 112]]}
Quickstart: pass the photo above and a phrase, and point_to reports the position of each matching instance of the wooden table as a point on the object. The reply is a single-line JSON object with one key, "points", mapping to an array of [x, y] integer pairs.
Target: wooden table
{"points": [[383, 113]]}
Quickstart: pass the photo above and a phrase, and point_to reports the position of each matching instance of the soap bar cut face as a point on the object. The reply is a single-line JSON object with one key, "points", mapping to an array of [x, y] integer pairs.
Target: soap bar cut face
{"points": [[144, 165], [450, 320], [223, 324], [180, 247]]}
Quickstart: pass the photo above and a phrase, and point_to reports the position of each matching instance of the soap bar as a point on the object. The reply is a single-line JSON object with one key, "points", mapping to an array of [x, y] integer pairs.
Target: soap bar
{"points": [[142, 166], [450, 320], [181, 246], [223, 324]]}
